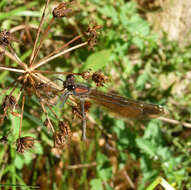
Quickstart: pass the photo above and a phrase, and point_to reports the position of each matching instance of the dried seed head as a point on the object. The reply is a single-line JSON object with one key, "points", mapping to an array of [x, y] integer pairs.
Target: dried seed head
{"points": [[86, 75], [6, 37], [24, 143], [76, 110], [99, 78], [59, 140], [87, 106], [92, 34], [62, 10], [9, 102], [65, 129]]}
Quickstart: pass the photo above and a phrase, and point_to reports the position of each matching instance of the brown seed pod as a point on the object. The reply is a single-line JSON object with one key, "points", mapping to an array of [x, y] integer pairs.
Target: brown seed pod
{"points": [[99, 78], [62, 10], [65, 129], [6, 38], [24, 143], [9, 102], [92, 35], [59, 140]]}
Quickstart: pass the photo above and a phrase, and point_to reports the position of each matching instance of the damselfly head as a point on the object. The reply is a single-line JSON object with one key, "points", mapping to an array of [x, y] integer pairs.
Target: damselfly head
{"points": [[69, 83]]}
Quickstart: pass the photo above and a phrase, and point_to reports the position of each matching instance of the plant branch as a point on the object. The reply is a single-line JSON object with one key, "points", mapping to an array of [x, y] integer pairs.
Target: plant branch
{"points": [[61, 48], [57, 55], [38, 33], [185, 124], [43, 38], [22, 111], [11, 69]]}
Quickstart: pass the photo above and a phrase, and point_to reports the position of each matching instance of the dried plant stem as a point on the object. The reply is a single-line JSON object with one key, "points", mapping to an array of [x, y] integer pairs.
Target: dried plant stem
{"points": [[44, 35], [80, 166], [38, 33], [28, 34], [17, 58], [53, 112], [44, 79], [22, 111], [57, 55], [128, 179], [54, 72], [10, 55], [13, 89], [46, 113], [185, 124], [18, 97], [12, 69], [61, 48], [21, 27]]}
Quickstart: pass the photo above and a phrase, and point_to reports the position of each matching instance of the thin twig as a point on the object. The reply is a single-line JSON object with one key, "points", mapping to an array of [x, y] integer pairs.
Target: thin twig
{"points": [[17, 58], [46, 113], [80, 166], [57, 55], [22, 111], [128, 179], [38, 32], [44, 35], [54, 72], [10, 55], [21, 27], [185, 124], [61, 48], [53, 111], [12, 69], [44, 79]]}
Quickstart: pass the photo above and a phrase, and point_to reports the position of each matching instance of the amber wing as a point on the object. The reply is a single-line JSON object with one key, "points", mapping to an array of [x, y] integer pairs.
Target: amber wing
{"points": [[126, 107]]}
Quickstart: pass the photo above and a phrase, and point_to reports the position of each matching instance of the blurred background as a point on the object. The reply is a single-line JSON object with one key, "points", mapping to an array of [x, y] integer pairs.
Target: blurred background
{"points": [[144, 48]]}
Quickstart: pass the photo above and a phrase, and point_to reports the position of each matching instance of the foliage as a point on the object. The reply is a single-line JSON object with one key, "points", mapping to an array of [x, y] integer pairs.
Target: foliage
{"points": [[140, 65]]}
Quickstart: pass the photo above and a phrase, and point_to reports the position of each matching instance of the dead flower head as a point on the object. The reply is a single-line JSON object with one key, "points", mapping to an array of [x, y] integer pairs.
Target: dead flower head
{"points": [[99, 78], [65, 129], [6, 38], [24, 143], [59, 140], [62, 10], [9, 103], [92, 35], [76, 110]]}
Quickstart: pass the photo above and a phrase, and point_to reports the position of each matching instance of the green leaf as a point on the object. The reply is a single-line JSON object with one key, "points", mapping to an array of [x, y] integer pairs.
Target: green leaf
{"points": [[110, 12], [142, 79], [146, 146], [19, 161], [96, 184], [14, 12], [97, 60]]}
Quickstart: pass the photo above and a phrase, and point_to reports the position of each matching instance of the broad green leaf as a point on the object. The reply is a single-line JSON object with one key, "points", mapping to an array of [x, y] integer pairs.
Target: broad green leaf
{"points": [[98, 60], [96, 184], [146, 146]]}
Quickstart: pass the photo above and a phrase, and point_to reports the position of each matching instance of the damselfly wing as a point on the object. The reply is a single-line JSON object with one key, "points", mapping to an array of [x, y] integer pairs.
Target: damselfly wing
{"points": [[125, 107]]}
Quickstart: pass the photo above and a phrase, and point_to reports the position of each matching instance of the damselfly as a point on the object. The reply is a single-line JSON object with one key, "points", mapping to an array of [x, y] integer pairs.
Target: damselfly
{"points": [[124, 107]]}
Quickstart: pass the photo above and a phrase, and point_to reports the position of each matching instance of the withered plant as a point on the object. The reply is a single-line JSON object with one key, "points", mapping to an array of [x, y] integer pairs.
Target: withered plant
{"points": [[32, 81]]}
